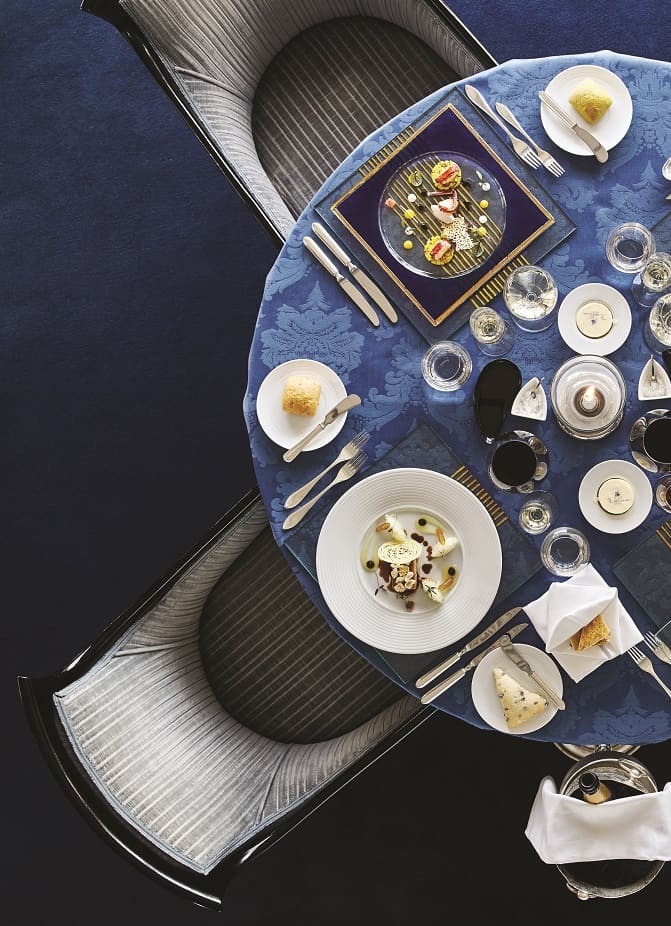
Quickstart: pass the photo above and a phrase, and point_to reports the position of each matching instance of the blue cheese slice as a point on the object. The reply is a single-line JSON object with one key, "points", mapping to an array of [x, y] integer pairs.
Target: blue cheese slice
{"points": [[518, 703]]}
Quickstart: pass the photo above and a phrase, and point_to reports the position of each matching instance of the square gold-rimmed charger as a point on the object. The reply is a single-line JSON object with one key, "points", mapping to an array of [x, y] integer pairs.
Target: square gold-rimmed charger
{"points": [[402, 286], [446, 133]]}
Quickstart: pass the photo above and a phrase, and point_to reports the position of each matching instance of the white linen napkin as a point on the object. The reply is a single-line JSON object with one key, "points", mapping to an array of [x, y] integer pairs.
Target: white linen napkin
{"points": [[566, 829], [568, 606]]}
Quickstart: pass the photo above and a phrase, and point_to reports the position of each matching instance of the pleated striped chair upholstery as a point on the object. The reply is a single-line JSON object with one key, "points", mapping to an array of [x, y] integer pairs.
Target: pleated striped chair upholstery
{"points": [[282, 90], [228, 705]]}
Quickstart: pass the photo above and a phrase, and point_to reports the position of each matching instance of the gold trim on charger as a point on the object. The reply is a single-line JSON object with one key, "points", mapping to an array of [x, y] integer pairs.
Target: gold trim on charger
{"points": [[390, 151]]}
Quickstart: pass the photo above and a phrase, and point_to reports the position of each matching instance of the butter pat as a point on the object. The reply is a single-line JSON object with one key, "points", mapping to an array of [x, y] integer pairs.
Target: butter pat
{"points": [[616, 495], [594, 319]]}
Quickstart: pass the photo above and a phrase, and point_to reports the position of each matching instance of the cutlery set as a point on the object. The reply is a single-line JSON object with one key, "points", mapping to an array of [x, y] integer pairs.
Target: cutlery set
{"points": [[357, 297], [659, 649], [351, 458]]}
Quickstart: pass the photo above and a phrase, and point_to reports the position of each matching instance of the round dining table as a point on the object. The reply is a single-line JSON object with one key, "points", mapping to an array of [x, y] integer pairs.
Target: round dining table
{"points": [[304, 314]]}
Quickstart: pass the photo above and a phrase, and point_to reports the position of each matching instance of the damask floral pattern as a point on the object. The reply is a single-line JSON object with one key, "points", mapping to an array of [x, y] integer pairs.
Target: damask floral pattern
{"points": [[304, 313]]}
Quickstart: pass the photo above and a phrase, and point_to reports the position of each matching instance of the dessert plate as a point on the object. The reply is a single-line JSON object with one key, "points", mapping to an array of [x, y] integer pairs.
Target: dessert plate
{"points": [[285, 429], [484, 695], [349, 589], [595, 514], [609, 130], [597, 293]]}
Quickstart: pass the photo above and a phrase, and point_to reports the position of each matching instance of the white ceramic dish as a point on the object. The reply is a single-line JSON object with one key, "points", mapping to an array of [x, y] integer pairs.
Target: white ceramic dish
{"points": [[349, 589], [575, 339], [609, 130], [286, 430], [483, 690], [615, 523]]}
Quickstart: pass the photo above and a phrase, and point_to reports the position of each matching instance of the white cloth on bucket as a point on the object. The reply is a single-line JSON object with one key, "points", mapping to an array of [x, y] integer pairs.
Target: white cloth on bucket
{"points": [[565, 829], [567, 606]]}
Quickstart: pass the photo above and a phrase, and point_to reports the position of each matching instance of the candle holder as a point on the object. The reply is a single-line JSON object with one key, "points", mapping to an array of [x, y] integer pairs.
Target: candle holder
{"points": [[588, 397]]}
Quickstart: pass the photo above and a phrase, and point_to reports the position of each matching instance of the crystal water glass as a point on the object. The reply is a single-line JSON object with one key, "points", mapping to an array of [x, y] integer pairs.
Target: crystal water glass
{"points": [[492, 335], [653, 280], [564, 550], [657, 331], [446, 366], [538, 513], [530, 294], [629, 246]]}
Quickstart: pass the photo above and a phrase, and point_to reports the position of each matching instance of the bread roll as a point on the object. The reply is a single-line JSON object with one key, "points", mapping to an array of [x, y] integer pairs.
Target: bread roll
{"points": [[597, 631], [301, 395], [590, 99]]}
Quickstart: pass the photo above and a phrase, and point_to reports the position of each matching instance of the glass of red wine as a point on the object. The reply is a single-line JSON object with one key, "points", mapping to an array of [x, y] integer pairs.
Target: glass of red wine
{"points": [[518, 462]]}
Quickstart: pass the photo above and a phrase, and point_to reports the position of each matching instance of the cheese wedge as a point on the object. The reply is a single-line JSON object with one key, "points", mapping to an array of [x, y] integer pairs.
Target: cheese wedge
{"points": [[518, 703], [597, 631]]}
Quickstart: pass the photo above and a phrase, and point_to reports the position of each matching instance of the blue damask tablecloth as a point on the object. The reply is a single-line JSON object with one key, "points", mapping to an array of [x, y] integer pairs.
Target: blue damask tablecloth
{"points": [[305, 314]]}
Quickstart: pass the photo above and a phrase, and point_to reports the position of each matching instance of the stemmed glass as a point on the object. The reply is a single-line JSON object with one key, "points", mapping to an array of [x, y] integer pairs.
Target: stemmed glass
{"points": [[629, 246], [530, 295], [657, 331], [492, 335], [653, 280]]}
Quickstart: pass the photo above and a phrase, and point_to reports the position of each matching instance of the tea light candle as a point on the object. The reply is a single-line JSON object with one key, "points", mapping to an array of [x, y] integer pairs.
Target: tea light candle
{"points": [[589, 401], [594, 319]]}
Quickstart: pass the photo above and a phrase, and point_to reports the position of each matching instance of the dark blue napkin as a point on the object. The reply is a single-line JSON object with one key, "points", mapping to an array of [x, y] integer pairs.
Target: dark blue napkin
{"points": [[422, 447], [645, 571]]}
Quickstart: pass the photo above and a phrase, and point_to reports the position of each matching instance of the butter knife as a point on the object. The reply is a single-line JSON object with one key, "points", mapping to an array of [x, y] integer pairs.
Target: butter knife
{"points": [[364, 281], [342, 280], [500, 622], [592, 143], [515, 656], [343, 406], [436, 691]]}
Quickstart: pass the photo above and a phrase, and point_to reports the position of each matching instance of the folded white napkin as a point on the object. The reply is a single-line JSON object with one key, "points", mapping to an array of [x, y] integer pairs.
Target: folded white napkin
{"points": [[568, 606], [566, 829]]}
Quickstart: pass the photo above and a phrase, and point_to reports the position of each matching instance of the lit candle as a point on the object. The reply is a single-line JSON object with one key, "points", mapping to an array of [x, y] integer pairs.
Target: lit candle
{"points": [[589, 401]]}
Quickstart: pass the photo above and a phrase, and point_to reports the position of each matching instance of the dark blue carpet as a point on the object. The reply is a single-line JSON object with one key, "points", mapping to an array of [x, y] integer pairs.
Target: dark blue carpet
{"points": [[129, 285]]}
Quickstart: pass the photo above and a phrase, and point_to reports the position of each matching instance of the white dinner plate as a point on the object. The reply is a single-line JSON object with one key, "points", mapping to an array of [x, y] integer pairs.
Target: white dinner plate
{"points": [[615, 523], [381, 619], [609, 130], [579, 342], [285, 429], [483, 690]]}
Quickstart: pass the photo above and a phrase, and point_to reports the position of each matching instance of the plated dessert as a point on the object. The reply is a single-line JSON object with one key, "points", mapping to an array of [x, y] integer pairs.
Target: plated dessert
{"points": [[442, 214], [411, 559]]}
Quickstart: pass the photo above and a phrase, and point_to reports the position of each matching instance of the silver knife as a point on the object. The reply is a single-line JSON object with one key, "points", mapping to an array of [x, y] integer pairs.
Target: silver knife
{"points": [[592, 143], [345, 284], [500, 622], [435, 692], [364, 281], [343, 406], [515, 656]]}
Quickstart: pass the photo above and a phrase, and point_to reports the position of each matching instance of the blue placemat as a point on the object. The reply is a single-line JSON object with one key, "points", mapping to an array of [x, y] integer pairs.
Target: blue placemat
{"points": [[535, 223], [645, 572], [423, 447]]}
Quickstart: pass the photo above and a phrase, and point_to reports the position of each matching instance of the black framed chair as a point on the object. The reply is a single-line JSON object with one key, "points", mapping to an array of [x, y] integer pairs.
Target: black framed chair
{"points": [[212, 717], [280, 91]]}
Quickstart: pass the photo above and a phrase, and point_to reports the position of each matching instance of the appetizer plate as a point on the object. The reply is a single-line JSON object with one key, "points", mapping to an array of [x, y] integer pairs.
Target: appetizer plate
{"points": [[470, 194], [594, 292], [483, 690], [609, 130], [285, 429], [615, 523], [349, 587]]}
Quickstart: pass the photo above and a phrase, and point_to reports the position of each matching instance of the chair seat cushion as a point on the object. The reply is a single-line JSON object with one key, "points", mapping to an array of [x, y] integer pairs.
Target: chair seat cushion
{"points": [[273, 661], [328, 89]]}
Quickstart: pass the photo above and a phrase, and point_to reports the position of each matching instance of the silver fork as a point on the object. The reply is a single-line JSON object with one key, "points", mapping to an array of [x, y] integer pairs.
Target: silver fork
{"points": [[546, 158], [349, 469], [521, 148], [349, 450], [661, 650], [645, 665]]}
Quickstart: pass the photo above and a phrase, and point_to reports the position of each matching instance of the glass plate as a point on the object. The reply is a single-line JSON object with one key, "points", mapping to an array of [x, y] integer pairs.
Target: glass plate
{"points": [[425, 225]]}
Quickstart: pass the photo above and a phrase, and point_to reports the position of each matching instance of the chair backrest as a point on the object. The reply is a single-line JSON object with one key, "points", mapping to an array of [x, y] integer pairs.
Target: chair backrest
{"points": [[210, 55]]}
